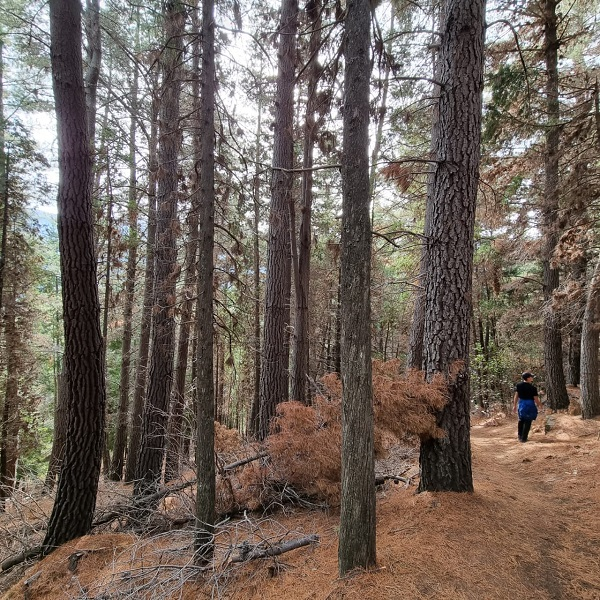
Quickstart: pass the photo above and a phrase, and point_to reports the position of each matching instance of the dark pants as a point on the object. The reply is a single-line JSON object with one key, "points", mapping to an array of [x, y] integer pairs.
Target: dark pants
{"points": [[523, 428]]}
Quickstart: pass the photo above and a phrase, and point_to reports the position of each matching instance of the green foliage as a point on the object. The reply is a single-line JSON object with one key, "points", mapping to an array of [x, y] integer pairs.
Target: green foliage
{"points": [[506, 86]]}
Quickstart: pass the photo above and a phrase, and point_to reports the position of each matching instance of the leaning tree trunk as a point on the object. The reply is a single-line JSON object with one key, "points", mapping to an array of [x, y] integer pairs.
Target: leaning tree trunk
{"points": [[160, 377], [446, 461], [590, 390], [275, 357], [205, 446], [556, 387], [83, 359], [357, 513]]}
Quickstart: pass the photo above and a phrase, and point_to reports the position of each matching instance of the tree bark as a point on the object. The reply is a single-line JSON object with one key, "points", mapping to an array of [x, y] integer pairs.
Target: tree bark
{"points": [[205, 446], [446, 462], [590, 389], [357, 513], [141, 375], [160, 378], [556, 387], [275, 358], [84, 366], [415, 353], [120, 444], [301, 343]]}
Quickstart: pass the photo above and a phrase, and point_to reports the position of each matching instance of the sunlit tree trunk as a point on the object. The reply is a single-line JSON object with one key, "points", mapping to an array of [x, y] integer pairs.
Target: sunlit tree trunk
{"points": [[590, 389], [446, 462]]}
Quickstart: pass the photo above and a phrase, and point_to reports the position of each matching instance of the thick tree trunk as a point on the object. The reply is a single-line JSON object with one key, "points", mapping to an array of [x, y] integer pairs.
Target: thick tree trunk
{"points": [[556, 387], [205, 446], [84, 366], [274, 377], [357, 513], [590, 390], [446, 462], [160, 377]]}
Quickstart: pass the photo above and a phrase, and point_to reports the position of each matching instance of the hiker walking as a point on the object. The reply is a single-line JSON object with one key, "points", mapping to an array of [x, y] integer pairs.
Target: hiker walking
{"points": [[527, 402]]}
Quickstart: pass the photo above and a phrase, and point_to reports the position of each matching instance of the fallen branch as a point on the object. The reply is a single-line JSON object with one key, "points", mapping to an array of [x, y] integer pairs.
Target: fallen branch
{"points": [[247, 552], [22, 557], [244, 461], [125, 510]]}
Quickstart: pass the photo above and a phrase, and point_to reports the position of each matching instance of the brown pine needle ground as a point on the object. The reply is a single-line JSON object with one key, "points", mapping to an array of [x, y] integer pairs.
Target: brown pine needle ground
{"points": [[531, 530]]}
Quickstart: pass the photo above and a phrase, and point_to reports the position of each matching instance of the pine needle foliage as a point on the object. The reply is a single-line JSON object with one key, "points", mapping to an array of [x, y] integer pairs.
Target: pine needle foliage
{"points": [[304, 446]]}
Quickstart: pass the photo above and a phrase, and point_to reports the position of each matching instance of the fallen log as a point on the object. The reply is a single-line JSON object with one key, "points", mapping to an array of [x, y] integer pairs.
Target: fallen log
{"points": [[248, 552]]}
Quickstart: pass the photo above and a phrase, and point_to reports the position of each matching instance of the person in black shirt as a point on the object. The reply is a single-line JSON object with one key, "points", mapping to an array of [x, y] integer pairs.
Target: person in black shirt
{"points": [[527, 402]]}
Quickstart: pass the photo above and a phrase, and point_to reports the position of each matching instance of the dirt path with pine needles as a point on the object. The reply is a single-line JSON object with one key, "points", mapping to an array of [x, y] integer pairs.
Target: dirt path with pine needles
{"points": [[530, 531]]}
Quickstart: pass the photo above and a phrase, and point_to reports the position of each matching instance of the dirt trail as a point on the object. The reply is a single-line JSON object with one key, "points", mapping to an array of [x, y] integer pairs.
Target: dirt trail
{"points": [[530, 531]]}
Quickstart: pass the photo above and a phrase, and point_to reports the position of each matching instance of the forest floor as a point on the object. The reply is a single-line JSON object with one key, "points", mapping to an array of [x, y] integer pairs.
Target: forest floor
{"points": [[530, 530]]}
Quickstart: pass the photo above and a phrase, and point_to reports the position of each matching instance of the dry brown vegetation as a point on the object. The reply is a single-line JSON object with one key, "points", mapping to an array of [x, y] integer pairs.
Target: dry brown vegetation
{"points": [[530, 530]]}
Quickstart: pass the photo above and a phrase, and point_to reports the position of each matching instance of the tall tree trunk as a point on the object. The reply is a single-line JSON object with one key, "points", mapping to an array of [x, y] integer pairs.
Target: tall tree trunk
{"points": [[553, 352], [9, 433], [175, 437], [205, 446], [275, 359], [84, 365], [301, 343], [120, 444], [590, 390], [141, 375], [446, 462], [253, 425], [160, 377], [357, 513], [415, 353]]}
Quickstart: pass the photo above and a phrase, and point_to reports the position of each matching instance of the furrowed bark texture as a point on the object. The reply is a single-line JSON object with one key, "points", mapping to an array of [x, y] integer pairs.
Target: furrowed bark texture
{"points": [[160, 376], [84, 366], [357, 514], [120, 445], [205, 445], [590, 389], [274, 376], [446, 462], [139, 390], [553, 355], [300, 351]]}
